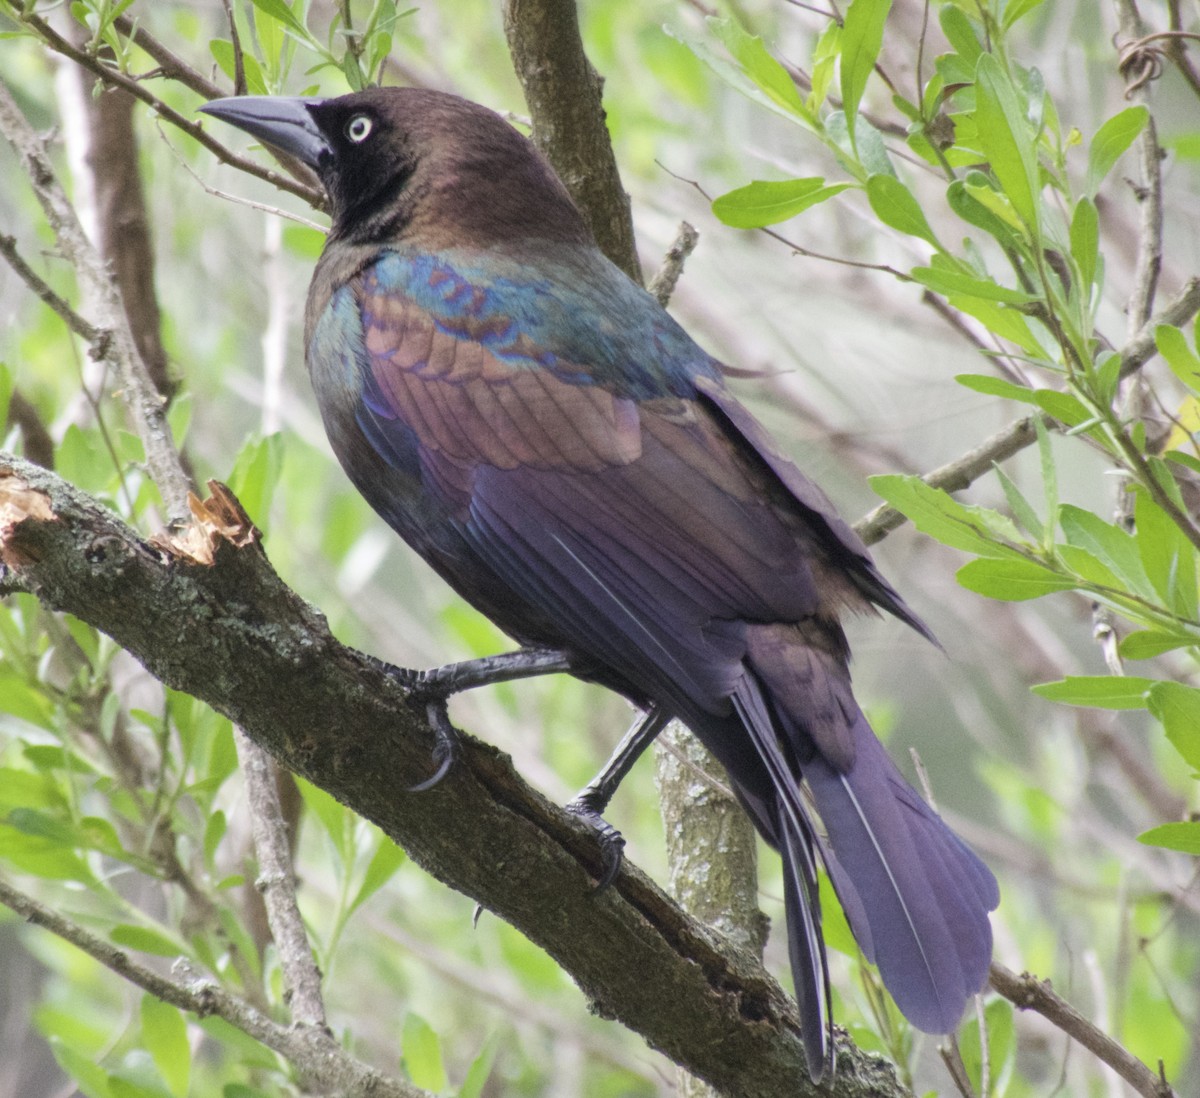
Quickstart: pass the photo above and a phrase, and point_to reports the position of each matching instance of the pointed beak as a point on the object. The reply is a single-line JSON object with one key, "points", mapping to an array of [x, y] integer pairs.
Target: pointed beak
{"points": [[284, 124]]}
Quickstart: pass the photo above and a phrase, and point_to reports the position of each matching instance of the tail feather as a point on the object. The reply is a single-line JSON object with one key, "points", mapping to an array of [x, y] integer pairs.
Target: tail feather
{"points": [[925, 896], [787, 826], [806, 950], [917, 898]]}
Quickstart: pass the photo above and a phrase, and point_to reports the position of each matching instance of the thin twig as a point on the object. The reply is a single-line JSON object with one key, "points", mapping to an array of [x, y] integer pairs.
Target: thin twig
{"points": [[1027, 992], [170, 65], [277, 883], [77, 324], [321, 1059], [964, 470], [110, 75], [1149, 193], [114, 342], [663, 284]]}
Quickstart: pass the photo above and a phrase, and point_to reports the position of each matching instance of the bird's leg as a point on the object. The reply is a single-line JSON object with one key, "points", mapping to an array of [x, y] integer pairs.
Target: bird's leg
{"points": [[524, 663], [436, 685], [591, 801], [452, 678]]}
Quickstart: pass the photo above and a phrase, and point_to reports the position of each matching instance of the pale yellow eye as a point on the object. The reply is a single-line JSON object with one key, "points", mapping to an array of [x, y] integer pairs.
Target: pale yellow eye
{"points": [[359, 128]]}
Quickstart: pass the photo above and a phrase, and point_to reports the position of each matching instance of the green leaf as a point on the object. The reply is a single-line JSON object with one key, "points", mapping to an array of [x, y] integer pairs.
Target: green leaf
{"points": [[835, 927], [1167, 556], [949, 282], [41, 856], [767, 74], [1172, 344], [1003, 321], [960, 33], [1177, 708], [1183, 836], [1085, 242], [1007, 143], [422, 1054], [964, 201], [1012, 580], [214, 831], [480, 1070], [1049, 474], [1089, 568], [1115, 547], [824, 64], [896, 207], [91, 1079], [996, 386], [6, 388], [277, 9], [387, 859], [1065, 407], [935, 513], [223, 54], [1099, 691], [146, 940], [1001, 1045], [22, 700], [1018, 9], [255, 475], [1145, 644], [1021, 508], [767, 203], [862, 38], [335, 818], [1111, 141], [164, 1032]]}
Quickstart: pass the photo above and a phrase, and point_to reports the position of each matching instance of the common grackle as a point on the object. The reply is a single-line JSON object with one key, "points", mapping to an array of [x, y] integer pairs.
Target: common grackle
{"points": [[549, 439]]}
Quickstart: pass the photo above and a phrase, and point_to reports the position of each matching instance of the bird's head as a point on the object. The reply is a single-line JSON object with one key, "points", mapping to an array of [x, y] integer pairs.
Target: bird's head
{"points": [[410, 164]]}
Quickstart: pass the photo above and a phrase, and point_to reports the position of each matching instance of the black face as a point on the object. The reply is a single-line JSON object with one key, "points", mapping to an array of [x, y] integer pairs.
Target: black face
{"points": [[395, 161], [366, 163], [360, 154]]}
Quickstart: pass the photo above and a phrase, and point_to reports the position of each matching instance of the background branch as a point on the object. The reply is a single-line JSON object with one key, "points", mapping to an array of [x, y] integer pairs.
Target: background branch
{"points": [[323, 1062], [1030, 993], [563, 92]]}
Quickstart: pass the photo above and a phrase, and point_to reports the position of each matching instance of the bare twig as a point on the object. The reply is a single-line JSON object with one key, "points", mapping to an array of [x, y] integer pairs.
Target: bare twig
{"points": [[77, 324], [964, 470], [123, 227], [1149, 192], [170, 66], [662, 285], [1029, 993], [322, 1060], [114, 341], [277, 883], [110, 75], [39, 446]]}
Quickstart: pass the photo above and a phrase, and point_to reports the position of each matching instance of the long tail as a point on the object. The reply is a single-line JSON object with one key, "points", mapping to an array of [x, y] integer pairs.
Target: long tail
{"points": [[917, 898]]}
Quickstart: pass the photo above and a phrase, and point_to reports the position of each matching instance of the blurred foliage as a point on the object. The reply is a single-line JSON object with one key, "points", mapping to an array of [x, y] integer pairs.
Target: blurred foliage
{"points": [[994, 187]]}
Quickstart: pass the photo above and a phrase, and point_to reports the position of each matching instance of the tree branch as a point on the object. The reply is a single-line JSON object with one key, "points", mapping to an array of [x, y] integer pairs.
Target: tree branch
{"points": [[322, 1060], [333, 716], [563, 93], [1027, 992]]}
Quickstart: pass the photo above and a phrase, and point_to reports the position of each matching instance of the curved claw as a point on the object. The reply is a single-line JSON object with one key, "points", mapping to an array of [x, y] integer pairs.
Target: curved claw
{"points": [[610, 840], [445, 749]]}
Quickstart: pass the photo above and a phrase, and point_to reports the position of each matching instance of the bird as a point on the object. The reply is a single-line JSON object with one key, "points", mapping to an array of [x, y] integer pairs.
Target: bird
{"points": [[546, 436]]}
